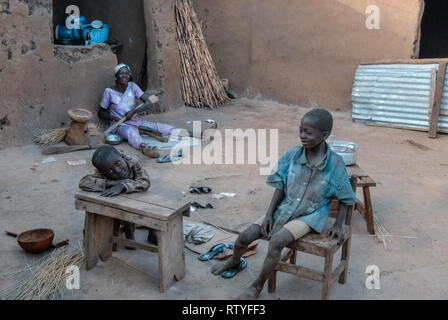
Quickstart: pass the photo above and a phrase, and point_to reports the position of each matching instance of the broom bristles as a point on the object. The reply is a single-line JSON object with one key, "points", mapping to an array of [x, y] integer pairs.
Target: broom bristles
{"points": [[47, 280], [49, 137], [381, 233]]}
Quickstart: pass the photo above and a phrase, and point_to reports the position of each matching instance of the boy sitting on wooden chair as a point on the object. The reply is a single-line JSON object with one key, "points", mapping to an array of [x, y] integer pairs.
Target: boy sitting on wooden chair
{"points": [[117, 173], [305, 179]]}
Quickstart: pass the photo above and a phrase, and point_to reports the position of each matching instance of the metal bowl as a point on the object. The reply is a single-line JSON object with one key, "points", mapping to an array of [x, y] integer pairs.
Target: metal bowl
{"points": [[36, 241], [346, 149], [113, 139]]}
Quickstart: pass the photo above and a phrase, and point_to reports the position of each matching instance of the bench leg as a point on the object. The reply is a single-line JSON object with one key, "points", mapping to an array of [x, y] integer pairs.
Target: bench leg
{"points": [[98, 232], [116, 233], [171, 253], [328, 268], [368, 210]]}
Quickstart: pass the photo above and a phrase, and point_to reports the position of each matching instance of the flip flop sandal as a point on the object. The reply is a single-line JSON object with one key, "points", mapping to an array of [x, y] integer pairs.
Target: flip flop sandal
{"points": [[200, 190], [206, 256], [231, 272], [200, 206], [166, 159]]}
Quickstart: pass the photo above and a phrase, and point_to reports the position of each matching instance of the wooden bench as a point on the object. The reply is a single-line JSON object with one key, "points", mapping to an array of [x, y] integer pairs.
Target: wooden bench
{"points": [[100, 231], [364, 207]]}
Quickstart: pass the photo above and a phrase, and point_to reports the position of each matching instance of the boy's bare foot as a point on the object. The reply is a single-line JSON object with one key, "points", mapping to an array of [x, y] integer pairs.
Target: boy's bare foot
{"points": [[220, 267], [147, 151], [251, 293]]}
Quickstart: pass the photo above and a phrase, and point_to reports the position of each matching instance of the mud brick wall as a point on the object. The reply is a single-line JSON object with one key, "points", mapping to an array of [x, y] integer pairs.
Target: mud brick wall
{"points": [[40, 81], [304, 52]]}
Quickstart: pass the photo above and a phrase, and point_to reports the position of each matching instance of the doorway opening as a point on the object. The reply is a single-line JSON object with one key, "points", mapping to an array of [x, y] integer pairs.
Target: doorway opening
{"points": [[434, 30], [127, 34]]}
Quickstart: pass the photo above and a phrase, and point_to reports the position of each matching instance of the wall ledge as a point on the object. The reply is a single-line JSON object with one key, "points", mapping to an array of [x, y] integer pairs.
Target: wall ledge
{"points": [[73, 54]]}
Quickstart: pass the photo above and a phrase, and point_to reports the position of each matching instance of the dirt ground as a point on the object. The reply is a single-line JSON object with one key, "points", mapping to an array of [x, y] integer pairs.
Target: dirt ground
{"points": [[409, 200]]}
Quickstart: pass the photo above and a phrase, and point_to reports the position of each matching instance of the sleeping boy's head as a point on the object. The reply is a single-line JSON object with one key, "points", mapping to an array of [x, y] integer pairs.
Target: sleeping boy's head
{"points": [[315, 127], [109, 162]]}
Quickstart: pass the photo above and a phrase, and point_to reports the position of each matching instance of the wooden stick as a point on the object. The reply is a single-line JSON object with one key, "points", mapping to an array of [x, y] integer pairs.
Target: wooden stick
{"points": [[121, 120], [437, 100]]}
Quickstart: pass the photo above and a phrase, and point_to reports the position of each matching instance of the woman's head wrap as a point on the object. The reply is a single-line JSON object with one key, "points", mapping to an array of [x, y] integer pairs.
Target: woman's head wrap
{"points": [[120, 66]]}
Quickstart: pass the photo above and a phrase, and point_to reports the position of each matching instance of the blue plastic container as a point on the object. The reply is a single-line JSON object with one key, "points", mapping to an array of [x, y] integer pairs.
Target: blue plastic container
{"points": [[97, 35], [63, 33]]}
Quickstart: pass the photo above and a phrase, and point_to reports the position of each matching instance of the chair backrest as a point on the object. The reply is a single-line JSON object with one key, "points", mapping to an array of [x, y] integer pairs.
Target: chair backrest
{"points": [[348, 216]]}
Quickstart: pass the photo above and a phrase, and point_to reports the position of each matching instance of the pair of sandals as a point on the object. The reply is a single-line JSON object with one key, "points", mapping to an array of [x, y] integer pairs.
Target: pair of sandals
{"points": [[200, 190], [230, 272]]}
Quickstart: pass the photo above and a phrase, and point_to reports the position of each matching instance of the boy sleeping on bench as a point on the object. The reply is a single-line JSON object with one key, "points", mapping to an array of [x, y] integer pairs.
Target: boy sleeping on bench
{"points": [[118, 173], [305, 179]]}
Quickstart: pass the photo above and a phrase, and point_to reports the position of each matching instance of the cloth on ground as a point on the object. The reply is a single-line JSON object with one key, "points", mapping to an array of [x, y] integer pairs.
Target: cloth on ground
{"points": [[196, 233], [183, 142]]}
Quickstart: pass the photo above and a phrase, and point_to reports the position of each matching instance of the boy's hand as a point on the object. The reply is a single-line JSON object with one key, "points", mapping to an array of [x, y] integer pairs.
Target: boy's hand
{"points": [[114, 191], [266, 226], [336, 232]]}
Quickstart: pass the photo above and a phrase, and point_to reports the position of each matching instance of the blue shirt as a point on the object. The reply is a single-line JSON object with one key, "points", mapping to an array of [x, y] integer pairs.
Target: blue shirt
{"points": [[309, 188]]}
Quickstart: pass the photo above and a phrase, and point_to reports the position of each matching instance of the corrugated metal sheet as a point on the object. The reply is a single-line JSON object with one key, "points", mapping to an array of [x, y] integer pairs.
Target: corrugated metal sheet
{"points": [[395, 95], [443, 120]]}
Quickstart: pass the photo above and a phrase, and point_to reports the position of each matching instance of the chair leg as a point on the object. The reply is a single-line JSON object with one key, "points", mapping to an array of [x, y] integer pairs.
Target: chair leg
{"points": [[328, 268], [345, 255], [272, 281], [293, 258]]}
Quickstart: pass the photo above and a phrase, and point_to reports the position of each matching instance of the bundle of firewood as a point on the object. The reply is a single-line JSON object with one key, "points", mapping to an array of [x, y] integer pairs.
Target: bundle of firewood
{"points": [[201, 85]]}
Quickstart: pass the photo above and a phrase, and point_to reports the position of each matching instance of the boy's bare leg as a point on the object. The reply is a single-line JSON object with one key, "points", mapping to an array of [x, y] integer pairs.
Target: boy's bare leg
{"points": [[278, 241], [245, 238]]}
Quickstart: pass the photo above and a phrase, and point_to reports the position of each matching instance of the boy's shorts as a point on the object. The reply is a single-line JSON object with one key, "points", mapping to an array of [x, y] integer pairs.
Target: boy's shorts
{"points": [[296, 227]]}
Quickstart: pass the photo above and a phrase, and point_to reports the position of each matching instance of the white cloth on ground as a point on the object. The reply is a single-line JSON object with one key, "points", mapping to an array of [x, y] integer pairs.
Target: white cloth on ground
{"points": [[196, 233]]}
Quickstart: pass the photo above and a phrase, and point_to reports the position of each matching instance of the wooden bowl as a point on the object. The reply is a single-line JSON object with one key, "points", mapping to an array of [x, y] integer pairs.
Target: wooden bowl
{"points": [[36, 241]]}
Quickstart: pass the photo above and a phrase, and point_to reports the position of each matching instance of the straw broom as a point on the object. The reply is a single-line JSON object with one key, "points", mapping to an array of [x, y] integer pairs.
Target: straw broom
{"points": [[49, 137], [201, 85], [48, 280]]}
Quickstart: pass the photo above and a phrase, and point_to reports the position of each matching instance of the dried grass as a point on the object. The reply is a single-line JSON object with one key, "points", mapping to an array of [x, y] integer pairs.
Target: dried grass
{"points": [[381, 233], [48, 137], [48, 277]]}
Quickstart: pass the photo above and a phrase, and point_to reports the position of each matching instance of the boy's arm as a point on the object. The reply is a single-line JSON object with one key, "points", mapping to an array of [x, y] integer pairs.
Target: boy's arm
{"points": [[93, 183], [96, 182], [345, 194], [140, 183], [336, 230], [277, 198]]}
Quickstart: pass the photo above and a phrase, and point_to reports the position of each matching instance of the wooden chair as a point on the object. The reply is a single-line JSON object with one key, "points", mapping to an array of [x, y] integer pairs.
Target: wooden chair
{"points": [[316, 244]]}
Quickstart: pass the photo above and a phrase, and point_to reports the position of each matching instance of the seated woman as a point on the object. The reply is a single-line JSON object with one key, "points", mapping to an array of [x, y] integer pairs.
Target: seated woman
{"points": [[119, 101]]}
